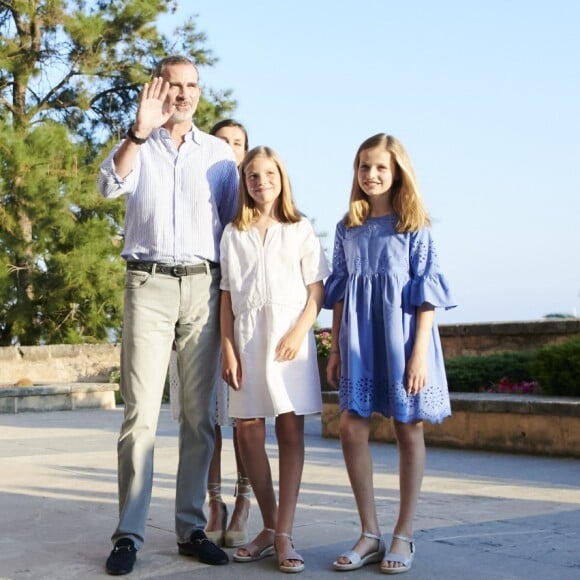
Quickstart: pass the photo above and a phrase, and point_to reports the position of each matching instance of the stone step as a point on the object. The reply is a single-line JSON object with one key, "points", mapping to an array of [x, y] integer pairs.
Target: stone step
{"points": [[57, 397]]}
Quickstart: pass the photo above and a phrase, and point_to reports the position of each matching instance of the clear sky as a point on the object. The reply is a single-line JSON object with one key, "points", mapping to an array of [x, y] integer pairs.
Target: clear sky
{"points": [[485, 96]]}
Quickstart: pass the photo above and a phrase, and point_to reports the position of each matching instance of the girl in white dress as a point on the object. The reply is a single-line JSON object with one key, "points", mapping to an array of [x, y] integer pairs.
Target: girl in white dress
{"points": [[272, 270]]}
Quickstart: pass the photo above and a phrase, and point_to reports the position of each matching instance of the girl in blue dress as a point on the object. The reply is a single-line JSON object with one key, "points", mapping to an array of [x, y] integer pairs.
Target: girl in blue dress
{"points": [[386, 355]]}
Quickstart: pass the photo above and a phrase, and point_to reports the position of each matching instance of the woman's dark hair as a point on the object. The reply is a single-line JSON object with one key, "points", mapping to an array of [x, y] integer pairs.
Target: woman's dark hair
{"points": [[231, 123]]}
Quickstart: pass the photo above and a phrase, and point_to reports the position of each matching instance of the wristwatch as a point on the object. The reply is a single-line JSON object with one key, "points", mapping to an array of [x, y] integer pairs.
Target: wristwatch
{"points": [[134, 137]]}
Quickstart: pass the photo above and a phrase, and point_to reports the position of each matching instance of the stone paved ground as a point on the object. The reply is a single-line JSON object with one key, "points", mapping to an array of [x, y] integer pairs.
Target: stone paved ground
{"points": [[482, 515]]}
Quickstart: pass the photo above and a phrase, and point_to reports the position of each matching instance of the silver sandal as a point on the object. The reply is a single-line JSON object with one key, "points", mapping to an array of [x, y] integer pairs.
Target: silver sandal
{"points": [[405, 561], [356, 560]]}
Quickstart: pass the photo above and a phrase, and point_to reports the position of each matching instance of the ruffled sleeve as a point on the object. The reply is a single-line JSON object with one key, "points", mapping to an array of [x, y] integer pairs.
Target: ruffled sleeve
{"points": [[312, 261], [428, 283], [335, 285]]}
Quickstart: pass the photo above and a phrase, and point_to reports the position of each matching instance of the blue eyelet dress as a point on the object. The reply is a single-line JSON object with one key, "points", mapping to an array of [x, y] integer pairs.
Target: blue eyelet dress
{"points": [[383, 276]]}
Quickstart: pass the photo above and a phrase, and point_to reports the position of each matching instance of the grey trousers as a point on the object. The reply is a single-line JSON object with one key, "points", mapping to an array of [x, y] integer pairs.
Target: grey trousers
{"points": [[159, 309]]}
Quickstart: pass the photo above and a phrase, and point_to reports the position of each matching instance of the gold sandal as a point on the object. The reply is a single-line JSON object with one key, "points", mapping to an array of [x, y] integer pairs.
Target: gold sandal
{"points": [[291, 554], [254, 550]]}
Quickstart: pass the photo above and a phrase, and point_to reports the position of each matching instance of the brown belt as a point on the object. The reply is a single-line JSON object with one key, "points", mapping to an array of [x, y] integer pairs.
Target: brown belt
{"points": [[177, 270]]}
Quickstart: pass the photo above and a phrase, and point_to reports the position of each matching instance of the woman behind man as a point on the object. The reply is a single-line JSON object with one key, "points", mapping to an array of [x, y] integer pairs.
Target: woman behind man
{"points": [[217, 530], [236, 533]]}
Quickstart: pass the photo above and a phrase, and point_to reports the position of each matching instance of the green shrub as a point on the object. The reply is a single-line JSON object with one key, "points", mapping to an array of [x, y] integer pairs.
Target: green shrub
{"points": [[475, 373], [557, 368], [115, 377]]}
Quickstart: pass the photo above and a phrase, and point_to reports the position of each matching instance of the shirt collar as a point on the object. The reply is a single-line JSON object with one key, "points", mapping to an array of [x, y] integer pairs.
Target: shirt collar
{"points": [[194, 134]]}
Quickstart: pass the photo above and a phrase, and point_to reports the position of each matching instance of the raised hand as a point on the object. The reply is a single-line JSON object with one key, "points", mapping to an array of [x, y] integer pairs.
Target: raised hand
{"points": [[153, 109]]}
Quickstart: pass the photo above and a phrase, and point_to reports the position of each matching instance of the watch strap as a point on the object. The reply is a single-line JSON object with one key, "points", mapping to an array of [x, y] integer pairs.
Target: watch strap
{"points": [[134, 137]]}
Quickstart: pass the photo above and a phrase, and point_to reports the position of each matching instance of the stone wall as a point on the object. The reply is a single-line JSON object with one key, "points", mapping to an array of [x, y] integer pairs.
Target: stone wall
{"points": [[63, 363], [497, 337], [487, 421], [59, 363]]}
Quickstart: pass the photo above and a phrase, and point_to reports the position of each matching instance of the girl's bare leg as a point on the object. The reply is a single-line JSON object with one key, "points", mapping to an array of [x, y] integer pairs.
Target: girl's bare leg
{"points": [[290, 435], [354, 437], [251, 435], [411, 443]]}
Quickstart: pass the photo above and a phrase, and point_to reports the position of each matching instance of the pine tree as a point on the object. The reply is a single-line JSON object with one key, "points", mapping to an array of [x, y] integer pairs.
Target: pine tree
{"points": [[70, 75]]}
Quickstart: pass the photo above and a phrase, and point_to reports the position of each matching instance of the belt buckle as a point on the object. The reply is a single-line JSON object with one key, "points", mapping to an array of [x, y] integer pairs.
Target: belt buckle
{"points": [[179, 270]]}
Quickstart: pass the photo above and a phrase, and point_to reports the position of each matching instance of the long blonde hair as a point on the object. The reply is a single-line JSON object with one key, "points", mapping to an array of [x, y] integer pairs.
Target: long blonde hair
{"points": [[405, 196], [285, 209]]}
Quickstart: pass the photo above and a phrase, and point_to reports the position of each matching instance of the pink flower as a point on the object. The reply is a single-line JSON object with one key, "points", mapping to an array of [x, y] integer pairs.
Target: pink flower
{"points": [[504, 385], [323, 342]]}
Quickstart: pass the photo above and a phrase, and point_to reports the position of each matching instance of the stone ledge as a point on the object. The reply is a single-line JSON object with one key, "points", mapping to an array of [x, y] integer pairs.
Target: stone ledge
{"points": [[498, 337], [564, 327], [518, 404], [487, 421], [58, 397]]}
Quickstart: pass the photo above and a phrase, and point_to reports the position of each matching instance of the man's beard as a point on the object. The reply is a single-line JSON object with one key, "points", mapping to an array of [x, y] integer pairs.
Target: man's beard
{"points": [[179, 116]]}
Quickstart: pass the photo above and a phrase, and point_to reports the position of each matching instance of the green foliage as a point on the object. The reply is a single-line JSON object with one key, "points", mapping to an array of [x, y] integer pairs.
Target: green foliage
{"points": [[115, 376], [474, 373], [557, 368], [70, 76], [95, 58], [60, 274]]}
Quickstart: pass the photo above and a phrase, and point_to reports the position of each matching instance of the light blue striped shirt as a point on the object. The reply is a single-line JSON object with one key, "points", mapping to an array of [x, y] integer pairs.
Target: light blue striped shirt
{"points": [[178, 200]]}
